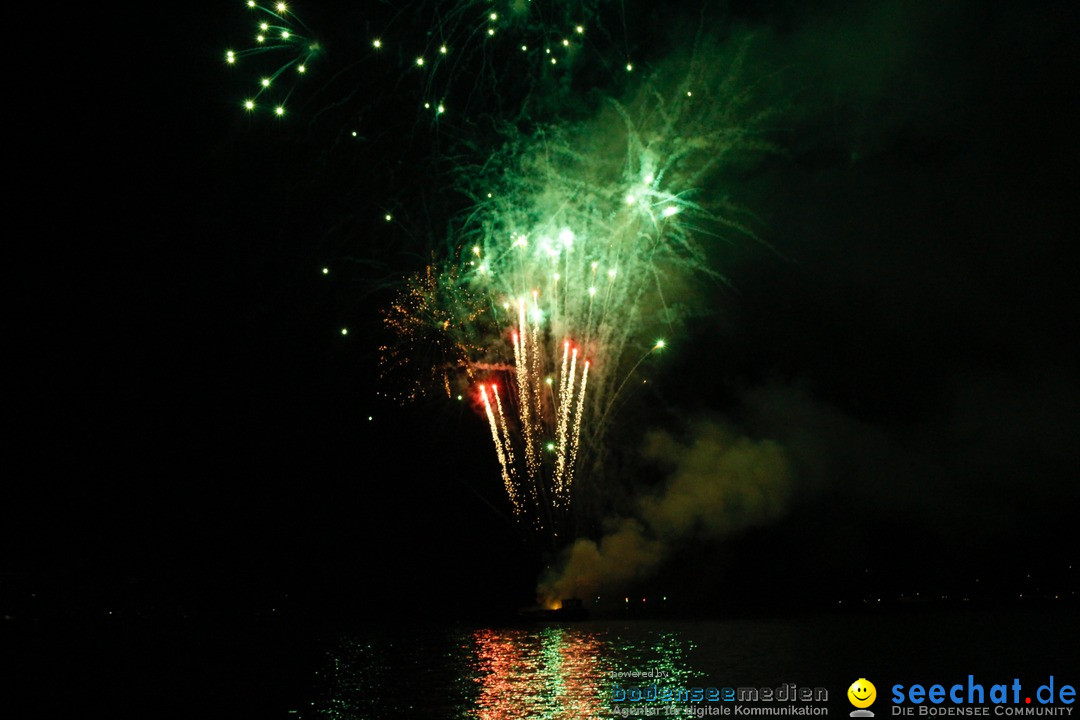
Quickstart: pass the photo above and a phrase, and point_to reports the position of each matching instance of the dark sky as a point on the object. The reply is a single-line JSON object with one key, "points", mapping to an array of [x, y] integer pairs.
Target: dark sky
{"points": [[188, 416]]}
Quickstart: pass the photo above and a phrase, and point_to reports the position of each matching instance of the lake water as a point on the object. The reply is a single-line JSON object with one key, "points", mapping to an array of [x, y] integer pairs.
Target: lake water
{"points": [[570, 671], [394, 669]]}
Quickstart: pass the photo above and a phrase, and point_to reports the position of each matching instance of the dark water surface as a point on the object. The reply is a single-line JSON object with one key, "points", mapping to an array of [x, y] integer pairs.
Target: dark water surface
{"points": [[566, 671], [397, 669]]}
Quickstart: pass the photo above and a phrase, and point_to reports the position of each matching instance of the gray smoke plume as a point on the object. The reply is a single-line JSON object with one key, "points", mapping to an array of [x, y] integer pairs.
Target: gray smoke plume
{"points": [[717, 483]]}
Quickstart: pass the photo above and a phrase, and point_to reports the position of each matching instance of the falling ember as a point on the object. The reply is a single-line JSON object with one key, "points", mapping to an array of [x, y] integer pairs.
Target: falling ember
{"points": [[524, 394], [575, 442], [500, 451], [535, 390], [504, 433], [565, 381], [565, 401]]}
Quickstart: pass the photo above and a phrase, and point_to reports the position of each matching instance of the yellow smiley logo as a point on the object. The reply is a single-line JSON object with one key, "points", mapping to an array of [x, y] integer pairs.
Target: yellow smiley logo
{"points": [[862, 693]]}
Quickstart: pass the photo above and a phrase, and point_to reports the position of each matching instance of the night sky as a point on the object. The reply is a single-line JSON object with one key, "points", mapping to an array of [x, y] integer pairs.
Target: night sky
{"points": [[190, 427]]}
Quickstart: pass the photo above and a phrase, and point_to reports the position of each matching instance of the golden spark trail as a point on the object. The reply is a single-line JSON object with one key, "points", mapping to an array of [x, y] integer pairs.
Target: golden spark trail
{"points": [[507, 481], [562, 373], [577, 429], [517, 352], [563, 378], [524, 393], [534, 377], [564, 421], [518, 369], [507, 445]]}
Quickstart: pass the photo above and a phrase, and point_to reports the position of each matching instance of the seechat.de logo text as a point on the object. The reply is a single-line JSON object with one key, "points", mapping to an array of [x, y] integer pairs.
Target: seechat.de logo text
{"points": [[974, 698]]}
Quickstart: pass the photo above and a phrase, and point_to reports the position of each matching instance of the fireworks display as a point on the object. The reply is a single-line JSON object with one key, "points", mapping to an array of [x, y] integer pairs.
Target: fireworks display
{"points": [[278, 33], [433, 322], [553, 286], [573, 252]]}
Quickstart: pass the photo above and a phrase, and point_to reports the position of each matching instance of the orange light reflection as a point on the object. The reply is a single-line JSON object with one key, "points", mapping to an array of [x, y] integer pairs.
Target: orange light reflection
{"points": [[553, 674]]}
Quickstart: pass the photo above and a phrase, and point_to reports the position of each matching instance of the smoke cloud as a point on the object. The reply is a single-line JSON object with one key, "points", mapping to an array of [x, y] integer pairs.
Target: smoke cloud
{"points": [[930, 414], [717, 483]]}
